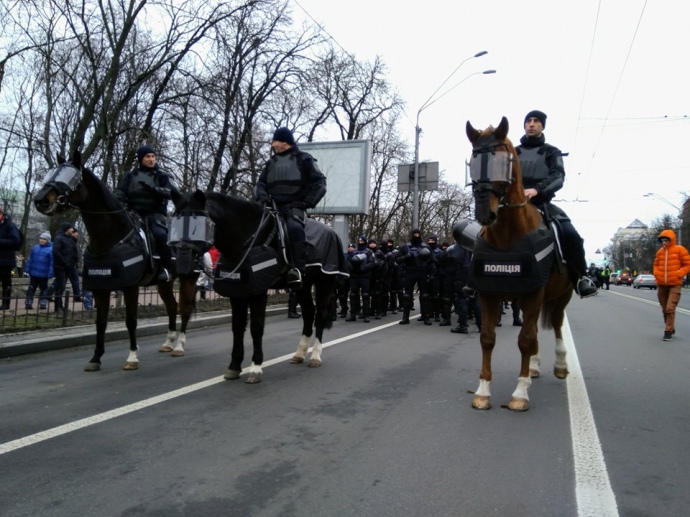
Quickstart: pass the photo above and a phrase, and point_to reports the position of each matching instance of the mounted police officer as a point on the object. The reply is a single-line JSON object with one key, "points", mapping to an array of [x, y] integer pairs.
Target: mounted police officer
{"points": [[146, 191], [292, 179], [414, 256], [543, 174]]}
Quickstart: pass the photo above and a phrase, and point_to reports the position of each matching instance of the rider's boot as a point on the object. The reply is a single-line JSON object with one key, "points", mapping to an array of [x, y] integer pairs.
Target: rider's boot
{"points": [[299, 262], [585, 288]]}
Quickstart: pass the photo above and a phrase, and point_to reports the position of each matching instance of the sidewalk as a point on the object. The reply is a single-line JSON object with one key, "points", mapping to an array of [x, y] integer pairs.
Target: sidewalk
{"points": [[68, 337]]}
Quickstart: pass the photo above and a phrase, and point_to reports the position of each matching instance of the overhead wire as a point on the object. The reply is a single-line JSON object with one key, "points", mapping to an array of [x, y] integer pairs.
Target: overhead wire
{"points": [[615, 93]]}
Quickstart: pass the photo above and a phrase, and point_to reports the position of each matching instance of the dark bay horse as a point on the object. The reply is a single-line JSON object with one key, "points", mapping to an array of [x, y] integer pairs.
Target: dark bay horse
{"points": [[509, 223], [247, 237], [109, 226]]}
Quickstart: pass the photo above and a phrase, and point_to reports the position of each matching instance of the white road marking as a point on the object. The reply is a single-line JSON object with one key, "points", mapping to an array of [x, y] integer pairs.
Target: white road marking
{"points": [[593, 490], [124, 410]]}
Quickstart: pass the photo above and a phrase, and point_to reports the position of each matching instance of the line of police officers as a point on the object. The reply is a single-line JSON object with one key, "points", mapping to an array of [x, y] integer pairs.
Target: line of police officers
{"points": [[384, 278]]}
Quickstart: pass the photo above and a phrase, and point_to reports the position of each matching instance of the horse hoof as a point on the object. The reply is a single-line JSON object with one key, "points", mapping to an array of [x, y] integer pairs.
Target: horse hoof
{"points": [[297, 360], [130, 366], [231, 375], [177, 353], [561, 373], [253, 378], [481, 402], [165, 348], [534, 374], [92, 367], [314, 363], [518, 404]]}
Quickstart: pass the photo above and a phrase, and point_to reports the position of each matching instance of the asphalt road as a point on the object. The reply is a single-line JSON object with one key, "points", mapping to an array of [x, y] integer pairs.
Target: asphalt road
{"points": [[385, 427]]}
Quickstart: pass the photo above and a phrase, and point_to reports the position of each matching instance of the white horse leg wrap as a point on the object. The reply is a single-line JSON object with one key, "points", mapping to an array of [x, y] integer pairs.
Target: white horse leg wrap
{"points": [[523, 385], [484, 389]]}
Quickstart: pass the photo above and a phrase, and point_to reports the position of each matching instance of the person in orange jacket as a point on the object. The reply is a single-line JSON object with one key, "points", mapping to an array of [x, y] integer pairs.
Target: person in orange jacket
{"points": [[671, 264]]}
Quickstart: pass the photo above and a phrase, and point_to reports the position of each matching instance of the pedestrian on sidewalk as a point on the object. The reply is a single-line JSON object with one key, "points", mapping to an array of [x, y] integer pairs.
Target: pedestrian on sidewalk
{"points": [[671, 264], [10, 239], [40, 270]]}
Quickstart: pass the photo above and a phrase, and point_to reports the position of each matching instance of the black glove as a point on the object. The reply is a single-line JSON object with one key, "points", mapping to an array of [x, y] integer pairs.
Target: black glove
{"points": [[298, 204]]}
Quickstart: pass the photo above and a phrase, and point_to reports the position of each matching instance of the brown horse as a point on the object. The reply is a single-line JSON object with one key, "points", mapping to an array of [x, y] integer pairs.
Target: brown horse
{"points": [[518, 262], [110, 226]]}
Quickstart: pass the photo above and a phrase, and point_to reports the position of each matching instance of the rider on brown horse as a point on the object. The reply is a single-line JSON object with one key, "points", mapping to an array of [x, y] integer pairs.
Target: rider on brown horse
{"points": [[543, 175]]}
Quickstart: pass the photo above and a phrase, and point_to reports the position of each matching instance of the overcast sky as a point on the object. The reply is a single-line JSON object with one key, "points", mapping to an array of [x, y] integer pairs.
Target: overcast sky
{"points": [[612, 76]]}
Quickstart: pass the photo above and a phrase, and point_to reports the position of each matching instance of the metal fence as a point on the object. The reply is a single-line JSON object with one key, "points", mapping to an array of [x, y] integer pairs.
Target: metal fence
{"points": [[78, 311]]}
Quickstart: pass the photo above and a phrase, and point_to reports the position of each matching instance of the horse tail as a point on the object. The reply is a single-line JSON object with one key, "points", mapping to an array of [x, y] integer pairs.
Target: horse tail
{"points": [[547, 309]]}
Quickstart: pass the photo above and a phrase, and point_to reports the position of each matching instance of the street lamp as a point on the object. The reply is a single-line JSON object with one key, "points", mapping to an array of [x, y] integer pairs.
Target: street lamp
{"points": [[680, 211], [418, 130]]}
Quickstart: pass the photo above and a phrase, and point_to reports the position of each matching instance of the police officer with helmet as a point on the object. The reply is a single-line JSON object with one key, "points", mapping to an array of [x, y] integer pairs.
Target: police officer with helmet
{"points": [[414, 256], [293, 180]]}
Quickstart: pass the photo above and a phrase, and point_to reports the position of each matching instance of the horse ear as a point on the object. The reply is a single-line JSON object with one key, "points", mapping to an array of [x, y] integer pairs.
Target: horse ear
{"points": [[76, 159], [199, 197], [502, 129], [60, 159], [472, 134]]}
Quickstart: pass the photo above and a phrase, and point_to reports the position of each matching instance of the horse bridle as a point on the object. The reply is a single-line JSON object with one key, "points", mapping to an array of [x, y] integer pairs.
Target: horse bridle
{"points": [[486, 184]]}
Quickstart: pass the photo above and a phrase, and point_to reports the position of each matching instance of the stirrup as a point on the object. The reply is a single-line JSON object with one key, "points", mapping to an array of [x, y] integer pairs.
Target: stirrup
{"points": [[163, 276], [294, 278], [585, 288]]}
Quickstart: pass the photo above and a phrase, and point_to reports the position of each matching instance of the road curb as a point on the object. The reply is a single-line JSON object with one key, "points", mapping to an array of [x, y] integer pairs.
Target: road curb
{"points": [[70, 337]]}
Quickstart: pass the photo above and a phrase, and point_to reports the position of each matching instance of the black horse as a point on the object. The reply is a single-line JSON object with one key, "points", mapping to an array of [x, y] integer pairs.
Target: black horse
{"points": [[116, 240], [252, 260]]}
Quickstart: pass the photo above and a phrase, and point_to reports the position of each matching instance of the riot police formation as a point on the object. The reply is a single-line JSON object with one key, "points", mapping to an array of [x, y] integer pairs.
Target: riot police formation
{"points": [[360, 263], [378, 274], [414, 256]]}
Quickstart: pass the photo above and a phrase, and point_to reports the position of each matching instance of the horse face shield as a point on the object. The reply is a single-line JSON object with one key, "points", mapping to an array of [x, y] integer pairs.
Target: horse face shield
{"points": [[489, 167], [64, 179], [190, 236]]}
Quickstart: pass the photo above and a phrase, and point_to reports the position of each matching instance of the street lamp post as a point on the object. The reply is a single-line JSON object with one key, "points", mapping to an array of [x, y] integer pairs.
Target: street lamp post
{"points": [[680, 212], [418, 130]]}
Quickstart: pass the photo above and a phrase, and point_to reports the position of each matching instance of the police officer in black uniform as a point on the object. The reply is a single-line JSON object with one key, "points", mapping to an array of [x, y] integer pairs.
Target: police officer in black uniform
{"points": [[434, 278], [360, 263], [458, 272], [414, 256], [543, 175], [146, 190], [378, 275], [293, 180]]}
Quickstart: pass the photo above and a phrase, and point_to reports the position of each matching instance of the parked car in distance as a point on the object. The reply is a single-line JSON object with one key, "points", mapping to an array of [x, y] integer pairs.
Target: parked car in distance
{"points": [[612, 278], [644, 281], [624, 279]]}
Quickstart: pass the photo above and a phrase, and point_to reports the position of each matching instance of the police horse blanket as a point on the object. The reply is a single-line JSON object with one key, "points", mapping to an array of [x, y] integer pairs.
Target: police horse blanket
{"points": [[514, 259], [118, 256], [251, 239]]}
